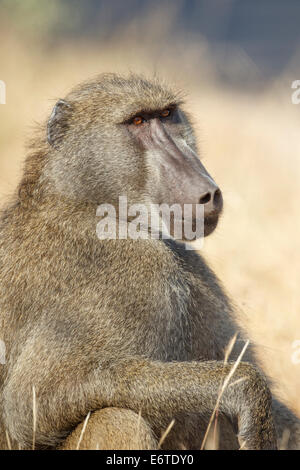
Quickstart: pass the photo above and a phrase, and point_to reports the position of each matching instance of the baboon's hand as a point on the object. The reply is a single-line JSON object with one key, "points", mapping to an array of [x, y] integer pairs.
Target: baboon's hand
{"points": [[255, 422], [257, 430]]}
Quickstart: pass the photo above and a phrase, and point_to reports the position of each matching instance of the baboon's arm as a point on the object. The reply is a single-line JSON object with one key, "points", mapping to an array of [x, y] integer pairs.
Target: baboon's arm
{"points": [[160, 390]]}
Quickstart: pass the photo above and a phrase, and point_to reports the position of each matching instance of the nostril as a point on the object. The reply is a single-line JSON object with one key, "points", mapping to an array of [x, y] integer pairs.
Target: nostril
{"points": [[205, 198], [217, 198]]}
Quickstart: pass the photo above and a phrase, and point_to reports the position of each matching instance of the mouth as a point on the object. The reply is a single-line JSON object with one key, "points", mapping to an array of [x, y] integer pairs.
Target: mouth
{"points": [[210, 223]]}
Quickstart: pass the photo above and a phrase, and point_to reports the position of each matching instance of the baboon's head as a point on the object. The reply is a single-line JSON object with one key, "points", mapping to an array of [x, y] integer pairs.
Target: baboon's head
{"points": [[116, 136]]}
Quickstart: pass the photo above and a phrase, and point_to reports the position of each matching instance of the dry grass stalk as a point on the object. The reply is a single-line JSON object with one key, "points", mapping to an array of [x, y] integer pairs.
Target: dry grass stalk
{"points": [[34, 416], [83, 430], [223, 388], [165, 434]]}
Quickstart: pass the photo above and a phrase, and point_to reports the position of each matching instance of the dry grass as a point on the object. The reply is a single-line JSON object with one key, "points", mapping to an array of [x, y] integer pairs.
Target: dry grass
{"points": [[251, 145]]}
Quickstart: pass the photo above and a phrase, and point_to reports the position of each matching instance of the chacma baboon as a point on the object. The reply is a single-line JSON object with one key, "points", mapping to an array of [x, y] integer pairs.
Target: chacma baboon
{"points": [[132, 331]]}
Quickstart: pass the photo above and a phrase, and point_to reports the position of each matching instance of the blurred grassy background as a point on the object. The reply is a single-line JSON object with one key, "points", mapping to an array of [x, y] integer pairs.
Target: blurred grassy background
{"points": [[248, 131]]}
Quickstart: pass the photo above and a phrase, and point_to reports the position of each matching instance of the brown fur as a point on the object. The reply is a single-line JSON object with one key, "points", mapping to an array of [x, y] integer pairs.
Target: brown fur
{"points": [[100, 432], [113, 325]]}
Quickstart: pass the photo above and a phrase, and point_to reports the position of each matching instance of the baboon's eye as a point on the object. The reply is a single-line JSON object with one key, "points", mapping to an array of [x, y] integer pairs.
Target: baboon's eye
{"points": [[138, 120], [165, 113]]}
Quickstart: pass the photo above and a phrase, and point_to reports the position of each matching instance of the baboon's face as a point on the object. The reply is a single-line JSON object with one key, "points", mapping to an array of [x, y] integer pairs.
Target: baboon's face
{"points": [[129, 137]]}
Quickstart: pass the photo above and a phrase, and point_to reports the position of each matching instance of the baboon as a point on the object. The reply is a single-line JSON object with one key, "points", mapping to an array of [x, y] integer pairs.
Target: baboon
{"points": [[132, 331]]}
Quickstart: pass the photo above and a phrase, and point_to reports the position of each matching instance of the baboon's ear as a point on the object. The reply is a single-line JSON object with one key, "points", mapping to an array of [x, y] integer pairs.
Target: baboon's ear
{"points": [[58, 122]]}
